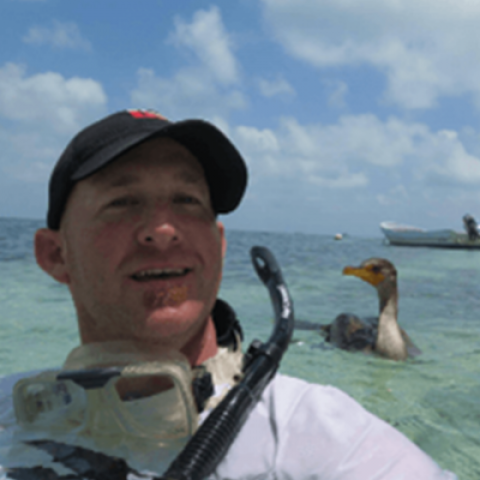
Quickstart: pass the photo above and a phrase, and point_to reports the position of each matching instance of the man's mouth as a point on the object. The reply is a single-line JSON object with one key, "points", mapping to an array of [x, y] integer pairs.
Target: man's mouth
{"points": [[160, 274]]}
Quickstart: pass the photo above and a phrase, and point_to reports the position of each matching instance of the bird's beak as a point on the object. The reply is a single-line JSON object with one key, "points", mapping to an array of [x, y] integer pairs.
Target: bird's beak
{"points": [[366, 274]]}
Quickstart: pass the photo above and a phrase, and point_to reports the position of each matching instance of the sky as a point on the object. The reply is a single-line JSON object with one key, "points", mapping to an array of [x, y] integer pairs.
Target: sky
{"points": [[347, 112]]}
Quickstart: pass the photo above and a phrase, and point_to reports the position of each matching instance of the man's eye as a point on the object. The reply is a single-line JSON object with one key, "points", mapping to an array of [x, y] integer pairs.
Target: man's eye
{"points": [[187, 200], [123, 202]]}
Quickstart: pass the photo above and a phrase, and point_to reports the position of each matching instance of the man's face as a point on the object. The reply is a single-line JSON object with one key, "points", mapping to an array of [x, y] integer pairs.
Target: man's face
{"points": [[142, 249]]}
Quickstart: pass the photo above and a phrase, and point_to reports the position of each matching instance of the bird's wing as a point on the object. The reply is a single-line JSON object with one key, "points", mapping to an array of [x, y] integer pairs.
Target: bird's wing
{"points": [[351, 333]]}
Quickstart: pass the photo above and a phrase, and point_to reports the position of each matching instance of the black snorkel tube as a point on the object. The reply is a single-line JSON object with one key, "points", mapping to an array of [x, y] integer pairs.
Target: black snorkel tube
{"points": [[208, 446]]}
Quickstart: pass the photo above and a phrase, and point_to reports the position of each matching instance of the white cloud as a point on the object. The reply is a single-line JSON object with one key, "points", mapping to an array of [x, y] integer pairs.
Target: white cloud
{"points": [[295, 151], [427, 49], [343, 179], [208, 87], [278, 86], [38, 116], [261, 141], [355, 151], [207, 38], [60, 35], [48, 97], [188, 93], [25, 155], [261, 148], [448, 161], [356, 139]]}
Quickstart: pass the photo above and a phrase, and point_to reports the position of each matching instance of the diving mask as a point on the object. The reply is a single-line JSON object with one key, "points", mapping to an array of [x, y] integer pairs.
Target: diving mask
{"points": [[118, 390]]}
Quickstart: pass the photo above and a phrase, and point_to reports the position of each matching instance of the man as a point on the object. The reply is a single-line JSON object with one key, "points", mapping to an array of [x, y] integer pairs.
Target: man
{"points": [[137, 241], [132, 232]]}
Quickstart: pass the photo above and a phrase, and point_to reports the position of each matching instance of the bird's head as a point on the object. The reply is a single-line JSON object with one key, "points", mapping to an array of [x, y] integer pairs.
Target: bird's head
{"points": [[378, 272]]}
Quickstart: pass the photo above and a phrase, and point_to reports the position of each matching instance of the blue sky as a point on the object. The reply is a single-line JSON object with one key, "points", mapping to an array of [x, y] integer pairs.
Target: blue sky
{"points": [[347, 112]]}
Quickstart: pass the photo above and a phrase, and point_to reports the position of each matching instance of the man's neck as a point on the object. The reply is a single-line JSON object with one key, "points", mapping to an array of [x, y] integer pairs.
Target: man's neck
{"points": [[203, 345]]}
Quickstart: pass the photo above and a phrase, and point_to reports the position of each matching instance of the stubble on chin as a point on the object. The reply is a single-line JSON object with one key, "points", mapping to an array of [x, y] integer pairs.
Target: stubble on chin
{"points": [[168, 297]]}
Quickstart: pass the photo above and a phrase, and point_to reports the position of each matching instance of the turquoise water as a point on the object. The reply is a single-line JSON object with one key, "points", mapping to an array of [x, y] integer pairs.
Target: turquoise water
{"points": [[433, 399]]}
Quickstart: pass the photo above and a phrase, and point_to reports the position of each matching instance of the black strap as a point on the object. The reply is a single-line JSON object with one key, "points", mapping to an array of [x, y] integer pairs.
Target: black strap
{"points": [[228, 330], [202, 386], [226, 324]]}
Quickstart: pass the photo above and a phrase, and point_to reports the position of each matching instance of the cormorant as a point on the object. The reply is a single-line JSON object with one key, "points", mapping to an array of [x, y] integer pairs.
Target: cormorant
{"points": [[381, 335]]}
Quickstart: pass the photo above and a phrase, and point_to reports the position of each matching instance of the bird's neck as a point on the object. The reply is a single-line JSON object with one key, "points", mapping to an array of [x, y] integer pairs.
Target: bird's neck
{"points": [[390, 342], [389, 306]]}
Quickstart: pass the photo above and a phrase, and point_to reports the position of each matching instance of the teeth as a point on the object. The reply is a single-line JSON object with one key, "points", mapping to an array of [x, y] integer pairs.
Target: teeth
{"points": [[160, 273]]}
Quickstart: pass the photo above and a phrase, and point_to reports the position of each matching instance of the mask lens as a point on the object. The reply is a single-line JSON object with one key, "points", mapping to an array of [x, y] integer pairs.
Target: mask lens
{"points": [[59, 405], [153, 406], [142, 386]]}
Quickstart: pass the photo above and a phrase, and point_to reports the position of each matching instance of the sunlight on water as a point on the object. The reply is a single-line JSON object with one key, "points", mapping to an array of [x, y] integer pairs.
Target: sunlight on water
{"points": [[432, 399]]}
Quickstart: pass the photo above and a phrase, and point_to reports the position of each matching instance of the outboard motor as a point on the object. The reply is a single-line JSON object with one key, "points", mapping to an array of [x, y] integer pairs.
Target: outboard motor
{"points": [[471, 227]]}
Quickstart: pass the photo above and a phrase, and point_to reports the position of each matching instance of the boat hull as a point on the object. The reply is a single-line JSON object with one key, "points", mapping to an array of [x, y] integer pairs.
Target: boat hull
{"points": [[405, 235]]}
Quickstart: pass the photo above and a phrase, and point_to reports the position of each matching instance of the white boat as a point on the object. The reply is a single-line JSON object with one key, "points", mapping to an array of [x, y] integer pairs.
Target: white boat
{"points": [[407, 235]]}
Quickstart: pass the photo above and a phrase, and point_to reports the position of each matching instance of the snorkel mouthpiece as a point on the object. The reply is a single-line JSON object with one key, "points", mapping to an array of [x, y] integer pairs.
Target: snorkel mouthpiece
{"points": [[210, 443]]}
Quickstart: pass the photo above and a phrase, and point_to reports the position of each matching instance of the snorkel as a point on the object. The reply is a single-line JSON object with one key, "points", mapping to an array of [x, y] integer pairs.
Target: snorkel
{"points": [[208, 446]]}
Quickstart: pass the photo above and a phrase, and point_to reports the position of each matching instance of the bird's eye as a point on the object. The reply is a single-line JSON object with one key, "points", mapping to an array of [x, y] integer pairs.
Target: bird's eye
{"points": [[376, 269]]}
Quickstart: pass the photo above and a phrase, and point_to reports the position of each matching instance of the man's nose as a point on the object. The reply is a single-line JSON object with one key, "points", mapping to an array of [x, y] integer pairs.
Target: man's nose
{"points": [[159, 229]]}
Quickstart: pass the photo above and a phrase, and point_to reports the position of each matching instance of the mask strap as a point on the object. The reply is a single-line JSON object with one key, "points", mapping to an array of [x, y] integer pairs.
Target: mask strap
{"points": [[202, 386]]}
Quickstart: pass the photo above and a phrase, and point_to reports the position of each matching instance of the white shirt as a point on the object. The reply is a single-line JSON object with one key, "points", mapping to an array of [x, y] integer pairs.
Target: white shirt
{"points": [[297, 431], [305, 431]]}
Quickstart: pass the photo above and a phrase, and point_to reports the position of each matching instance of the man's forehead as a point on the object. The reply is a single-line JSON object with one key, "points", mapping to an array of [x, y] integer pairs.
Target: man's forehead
{"points": [[158, 154]]}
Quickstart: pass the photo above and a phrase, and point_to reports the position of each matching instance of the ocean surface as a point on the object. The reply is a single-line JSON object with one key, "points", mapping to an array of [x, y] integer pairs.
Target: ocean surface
{"points": [[434, 399]]}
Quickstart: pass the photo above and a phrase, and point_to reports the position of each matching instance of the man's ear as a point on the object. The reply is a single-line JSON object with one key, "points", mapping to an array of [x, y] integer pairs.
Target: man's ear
{"points": [[223, 239], [49, 252]]}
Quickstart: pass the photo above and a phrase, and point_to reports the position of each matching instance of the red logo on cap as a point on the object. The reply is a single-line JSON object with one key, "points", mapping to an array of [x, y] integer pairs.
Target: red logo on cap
{"points": [[146, 114]]}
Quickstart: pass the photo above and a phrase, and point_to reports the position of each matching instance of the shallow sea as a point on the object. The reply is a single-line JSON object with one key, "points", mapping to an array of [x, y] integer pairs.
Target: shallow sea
{"points": [[434, 399]]}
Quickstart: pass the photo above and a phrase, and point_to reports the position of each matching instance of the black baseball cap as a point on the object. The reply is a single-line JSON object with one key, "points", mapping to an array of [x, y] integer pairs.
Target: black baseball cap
{"points": [[102, 142]]}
